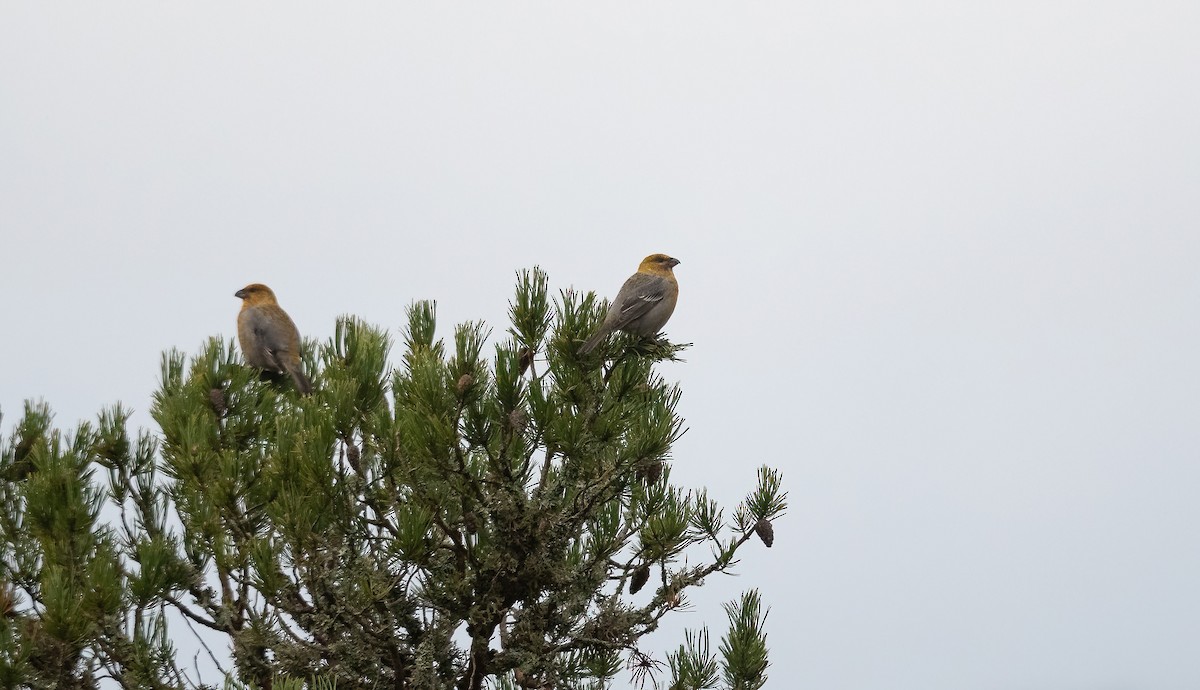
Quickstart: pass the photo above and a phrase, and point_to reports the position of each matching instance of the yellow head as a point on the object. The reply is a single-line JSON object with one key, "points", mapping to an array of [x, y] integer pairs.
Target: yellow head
{"points": [[255, 293], [658, 264]]}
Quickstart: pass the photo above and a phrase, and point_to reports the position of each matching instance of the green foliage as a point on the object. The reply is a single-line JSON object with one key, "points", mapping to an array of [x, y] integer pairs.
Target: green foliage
{"points": [[744, 647], [470, 517]]}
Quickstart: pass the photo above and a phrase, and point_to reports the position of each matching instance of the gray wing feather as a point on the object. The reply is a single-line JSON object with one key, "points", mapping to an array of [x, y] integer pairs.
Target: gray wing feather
{"points": [[638, 296], [271, 338]]}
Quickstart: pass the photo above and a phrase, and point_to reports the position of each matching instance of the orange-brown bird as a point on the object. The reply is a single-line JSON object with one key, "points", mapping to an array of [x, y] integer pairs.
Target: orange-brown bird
{"points": [[644, 303], [268, 335]]}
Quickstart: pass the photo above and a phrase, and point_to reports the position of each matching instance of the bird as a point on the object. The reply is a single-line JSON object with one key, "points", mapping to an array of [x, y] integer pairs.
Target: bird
{"points": [[268, 336], [644, 303]]}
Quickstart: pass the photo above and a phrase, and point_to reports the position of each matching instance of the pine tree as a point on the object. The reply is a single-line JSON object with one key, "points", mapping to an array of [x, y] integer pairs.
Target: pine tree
{"points": [[458, 522]]}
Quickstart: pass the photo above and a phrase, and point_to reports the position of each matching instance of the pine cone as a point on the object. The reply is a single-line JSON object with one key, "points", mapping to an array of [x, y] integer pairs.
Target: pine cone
{"points": [[638, 580], [352, 456], [216, 398], [765, 531], [464, 382], [518, 420], [526, 360], [649, 471]]}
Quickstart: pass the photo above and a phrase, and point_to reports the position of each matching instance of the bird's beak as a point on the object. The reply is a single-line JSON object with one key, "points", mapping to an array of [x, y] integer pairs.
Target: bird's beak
{"points": [[240, 294], [674, 262]]}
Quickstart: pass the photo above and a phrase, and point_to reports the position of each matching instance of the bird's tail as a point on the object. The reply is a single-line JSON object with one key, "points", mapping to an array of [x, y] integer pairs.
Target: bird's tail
{"points": [[593, 341], [302, 383]]}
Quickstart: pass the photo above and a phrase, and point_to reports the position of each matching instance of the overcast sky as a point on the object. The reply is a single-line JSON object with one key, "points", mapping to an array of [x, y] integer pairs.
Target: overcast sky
{"points": [[940, 266]]}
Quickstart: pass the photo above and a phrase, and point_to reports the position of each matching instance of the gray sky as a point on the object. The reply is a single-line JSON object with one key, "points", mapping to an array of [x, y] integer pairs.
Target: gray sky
{"points": [[939, 266]]}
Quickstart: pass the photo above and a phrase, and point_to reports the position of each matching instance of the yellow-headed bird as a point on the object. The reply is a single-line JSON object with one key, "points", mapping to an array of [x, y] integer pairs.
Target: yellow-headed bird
{"points": [[268, 335], [644, 303]]}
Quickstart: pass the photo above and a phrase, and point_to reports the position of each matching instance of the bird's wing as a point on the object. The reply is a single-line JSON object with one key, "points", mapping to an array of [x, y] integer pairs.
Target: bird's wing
{"points": [[638, 295], [271, 328]]}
